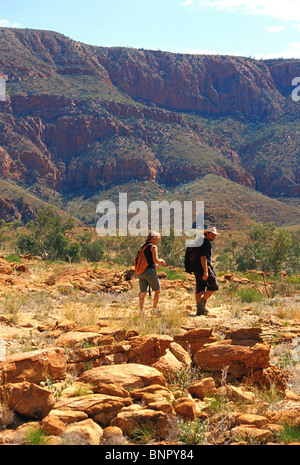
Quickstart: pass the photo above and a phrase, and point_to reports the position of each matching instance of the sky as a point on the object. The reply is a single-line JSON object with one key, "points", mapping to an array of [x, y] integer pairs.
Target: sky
{"points": [[250, 28]]}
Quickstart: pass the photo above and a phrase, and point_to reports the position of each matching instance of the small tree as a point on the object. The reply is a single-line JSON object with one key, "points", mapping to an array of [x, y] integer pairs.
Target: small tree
{"points": [[46, 236], [277, 254], [267, 251]]}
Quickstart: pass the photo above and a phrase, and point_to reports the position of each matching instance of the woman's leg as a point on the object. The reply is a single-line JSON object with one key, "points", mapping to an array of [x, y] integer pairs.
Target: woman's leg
{"points": [[156, 298], [142, 300]]}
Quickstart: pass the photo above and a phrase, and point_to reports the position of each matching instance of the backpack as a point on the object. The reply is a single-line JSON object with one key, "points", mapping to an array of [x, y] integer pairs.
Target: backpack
{"points": [[190, 259], [140, 262]]}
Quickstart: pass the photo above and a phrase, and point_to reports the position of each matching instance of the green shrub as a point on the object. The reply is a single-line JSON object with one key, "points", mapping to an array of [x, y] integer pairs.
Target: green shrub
{"points": [[173, 274], [289, 434], [249, 294], [192, 432], [36, 437]]}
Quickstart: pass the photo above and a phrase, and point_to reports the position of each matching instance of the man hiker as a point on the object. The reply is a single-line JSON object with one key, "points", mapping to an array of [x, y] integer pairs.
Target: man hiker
{"points": [[200, 262], [146, 263]]}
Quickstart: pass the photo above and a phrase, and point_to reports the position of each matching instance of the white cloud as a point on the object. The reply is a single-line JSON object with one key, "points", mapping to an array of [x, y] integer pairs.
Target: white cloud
{"points": [[202, 51], [6, 23], [187, 2], [292, 51], [285, 10], [274, 29]]}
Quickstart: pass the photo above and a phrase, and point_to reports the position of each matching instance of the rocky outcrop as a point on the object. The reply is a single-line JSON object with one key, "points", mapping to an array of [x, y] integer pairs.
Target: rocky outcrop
{"points": [[213, 85], [109, 403]]}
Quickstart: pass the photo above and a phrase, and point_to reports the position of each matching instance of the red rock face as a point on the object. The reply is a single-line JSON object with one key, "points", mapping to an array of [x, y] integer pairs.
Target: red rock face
{"points": [[72, 142], [212, 85]]}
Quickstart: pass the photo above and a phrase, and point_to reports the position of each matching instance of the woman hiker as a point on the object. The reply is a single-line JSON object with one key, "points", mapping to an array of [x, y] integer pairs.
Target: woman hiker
{"points": [[149, 276]]}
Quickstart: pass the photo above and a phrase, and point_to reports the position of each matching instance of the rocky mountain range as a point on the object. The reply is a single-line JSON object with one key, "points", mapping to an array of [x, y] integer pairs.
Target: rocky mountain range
{"points": [[81, 121]]}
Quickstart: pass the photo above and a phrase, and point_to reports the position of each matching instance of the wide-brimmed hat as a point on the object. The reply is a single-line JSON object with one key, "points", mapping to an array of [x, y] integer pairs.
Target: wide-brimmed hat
{"points": [[212, 229]]}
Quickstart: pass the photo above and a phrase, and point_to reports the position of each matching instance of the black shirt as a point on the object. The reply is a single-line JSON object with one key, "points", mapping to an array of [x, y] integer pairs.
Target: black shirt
{"points": [[149, 256], [203, 251]]}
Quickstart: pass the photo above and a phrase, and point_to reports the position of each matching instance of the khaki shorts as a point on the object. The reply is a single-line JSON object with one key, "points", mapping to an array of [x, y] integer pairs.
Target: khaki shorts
{"points": [[149, 278]]}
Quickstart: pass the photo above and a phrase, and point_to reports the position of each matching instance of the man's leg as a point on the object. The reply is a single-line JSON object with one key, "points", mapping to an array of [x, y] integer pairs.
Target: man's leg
{"points": [[208, 294], [200, 290], [198, 296]]}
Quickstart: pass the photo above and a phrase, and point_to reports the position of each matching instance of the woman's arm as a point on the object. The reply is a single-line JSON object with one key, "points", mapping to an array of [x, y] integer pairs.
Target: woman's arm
{"points": [[157, 260]]}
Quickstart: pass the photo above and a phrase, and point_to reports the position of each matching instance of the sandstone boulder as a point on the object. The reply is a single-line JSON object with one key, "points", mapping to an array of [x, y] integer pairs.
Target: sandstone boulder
{"points": [[19, 435], [28, 399], [34, 366], [53, 426], [131, 418], [186, 408], [5, 267], [155, 396], [250, 433], [169, 365], [85, 432], [106, 354], [245, 335], [259, 421], [194, 339], [112, 435], [241, 360], [68, 416], [101, 408], [76, 338], [130, 376], [148, 349], [236, 393], [202, 388]]}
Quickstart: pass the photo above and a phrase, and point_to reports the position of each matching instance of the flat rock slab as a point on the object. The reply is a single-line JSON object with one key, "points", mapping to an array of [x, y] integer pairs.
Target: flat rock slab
{"points": [[130, 376]]}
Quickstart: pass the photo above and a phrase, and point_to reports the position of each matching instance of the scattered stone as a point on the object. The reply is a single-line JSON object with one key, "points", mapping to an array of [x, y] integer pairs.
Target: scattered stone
{"points": [[185, 407], [236, 393], [202, 388], [112, 435], [53, 426], [85, 432]]}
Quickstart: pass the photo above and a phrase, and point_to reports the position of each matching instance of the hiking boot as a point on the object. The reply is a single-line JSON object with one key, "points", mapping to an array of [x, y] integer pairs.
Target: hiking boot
{"points": [[155, 310], [201, 307]]}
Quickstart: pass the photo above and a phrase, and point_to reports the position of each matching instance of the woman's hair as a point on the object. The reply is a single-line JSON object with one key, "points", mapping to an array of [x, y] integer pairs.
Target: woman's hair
{"points": [[151, 235]]}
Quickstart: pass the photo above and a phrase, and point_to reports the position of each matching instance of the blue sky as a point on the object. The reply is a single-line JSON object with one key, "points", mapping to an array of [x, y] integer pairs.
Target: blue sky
{"points": [[257, 28]]}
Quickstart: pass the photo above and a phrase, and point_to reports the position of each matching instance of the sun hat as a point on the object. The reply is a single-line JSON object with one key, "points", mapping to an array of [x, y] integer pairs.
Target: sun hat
{"points": [[212, 229]]}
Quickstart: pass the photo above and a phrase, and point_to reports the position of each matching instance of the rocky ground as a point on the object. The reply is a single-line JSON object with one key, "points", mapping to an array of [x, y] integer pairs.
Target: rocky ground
{"points": [[81, 366]]}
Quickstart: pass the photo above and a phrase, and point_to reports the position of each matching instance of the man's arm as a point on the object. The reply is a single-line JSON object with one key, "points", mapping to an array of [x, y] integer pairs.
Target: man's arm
{"points": [[205, 268]]}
